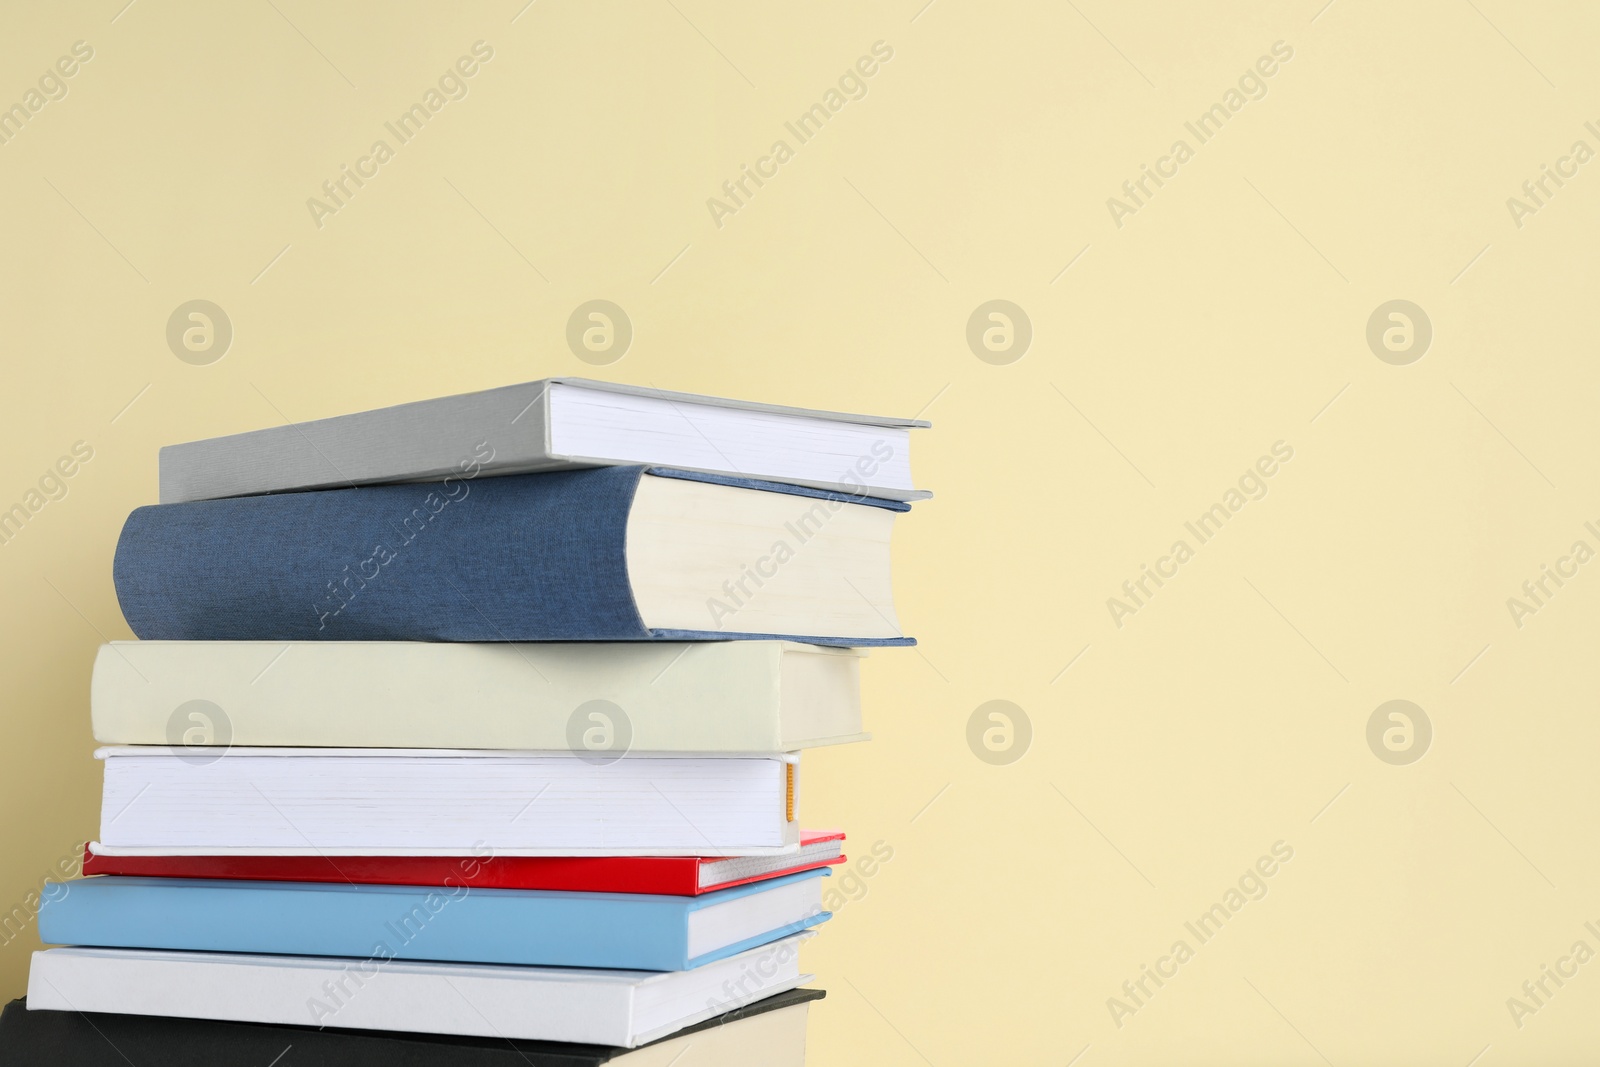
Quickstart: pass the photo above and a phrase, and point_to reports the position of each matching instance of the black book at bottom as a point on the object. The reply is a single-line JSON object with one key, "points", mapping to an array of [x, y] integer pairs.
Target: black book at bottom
{"points": [[769, 1031]]}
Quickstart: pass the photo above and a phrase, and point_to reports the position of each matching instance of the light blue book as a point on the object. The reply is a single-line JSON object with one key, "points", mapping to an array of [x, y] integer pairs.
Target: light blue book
{"points": [[460, 925]]}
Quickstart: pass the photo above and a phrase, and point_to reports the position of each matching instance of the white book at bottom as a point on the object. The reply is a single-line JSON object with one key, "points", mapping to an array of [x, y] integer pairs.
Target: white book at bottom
{"points": [[620, 1008]]}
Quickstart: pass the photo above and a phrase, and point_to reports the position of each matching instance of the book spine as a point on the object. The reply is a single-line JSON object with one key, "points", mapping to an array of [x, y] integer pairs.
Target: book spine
{"points": [[515, 558], [422, 923], [200, 985], [377, 694]]}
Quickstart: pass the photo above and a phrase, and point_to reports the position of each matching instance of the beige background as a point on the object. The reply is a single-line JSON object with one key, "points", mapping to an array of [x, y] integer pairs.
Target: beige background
{"points": [[1227, 314]]}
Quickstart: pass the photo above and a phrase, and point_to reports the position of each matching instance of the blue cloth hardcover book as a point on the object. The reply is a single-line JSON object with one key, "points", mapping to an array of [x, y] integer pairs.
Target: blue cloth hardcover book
{"points": [[452, 924], [607, 554]]}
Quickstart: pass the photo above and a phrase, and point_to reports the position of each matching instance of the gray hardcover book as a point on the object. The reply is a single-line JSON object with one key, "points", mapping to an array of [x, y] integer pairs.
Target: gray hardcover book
{"points": [[553, 424]]}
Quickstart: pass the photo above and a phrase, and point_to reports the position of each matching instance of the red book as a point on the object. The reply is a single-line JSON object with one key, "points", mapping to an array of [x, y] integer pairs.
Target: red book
{"points": [[682, 876]]}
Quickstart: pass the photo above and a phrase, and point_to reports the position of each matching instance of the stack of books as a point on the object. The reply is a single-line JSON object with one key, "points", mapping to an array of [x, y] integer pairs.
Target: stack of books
{"points": [[471, 729]]}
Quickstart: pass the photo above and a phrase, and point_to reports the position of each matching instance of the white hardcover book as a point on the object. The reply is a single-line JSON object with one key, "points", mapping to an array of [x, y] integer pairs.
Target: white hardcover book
{"points": [[408, 802], [702, 697], [553, 424], [619, 1008]]}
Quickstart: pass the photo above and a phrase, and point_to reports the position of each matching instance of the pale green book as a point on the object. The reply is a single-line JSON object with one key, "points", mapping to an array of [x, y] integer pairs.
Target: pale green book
{"points": [[603, 699]]}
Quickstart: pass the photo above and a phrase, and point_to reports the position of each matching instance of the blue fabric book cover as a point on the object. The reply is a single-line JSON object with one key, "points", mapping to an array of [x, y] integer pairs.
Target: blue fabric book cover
{"points": [[536, 557], [452, 924]]}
